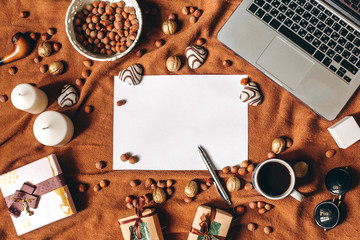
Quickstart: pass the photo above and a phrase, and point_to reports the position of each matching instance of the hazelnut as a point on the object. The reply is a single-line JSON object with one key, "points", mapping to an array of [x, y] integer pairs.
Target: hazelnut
{"points": [[330, 153], [250, 168], [188, 199], [225, 170], [153, 186], [203, 186], [248, 186], [24, 14], [124, 157], [193, 19], [148, 182], [260, 204], [51, 31], [271, 155], [45, 36], [100, 165], [262, 210], [120, 103], [129, 205], [197, 13], [147, 198], [200, 41], [172, 16], [240, 210], [268, 230], [139, 53], [37, 59], [233, 184], [129, 199], [159, 195], [88, 63], [245, 163], [191, 189], [169, 183], [185, 11], [278, 145], [79, 82], [252, 205], [173, 63], [170, 191], [134, 183], [242, 171], [56, 68], [132, 160], [85, 73], [104, 183], [289, 142], [244, 81], [12, 70], [209, 182], [82, 187], [234, 169], [97, 188], [169, 26], [88, 109], [227, 63], [34, 36], [161, 184], [159, 43], [268, 207], [251, 227], [43, 68], [301, 169], [3, 98], [44, 49]]}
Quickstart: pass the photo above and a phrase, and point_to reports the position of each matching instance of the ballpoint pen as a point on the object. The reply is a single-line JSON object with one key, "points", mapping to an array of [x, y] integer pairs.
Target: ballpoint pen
{"points": [[211, 169]]}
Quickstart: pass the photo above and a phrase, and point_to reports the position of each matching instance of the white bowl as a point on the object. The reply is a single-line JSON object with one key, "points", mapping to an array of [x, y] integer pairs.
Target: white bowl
{"points": [[77, 6]]}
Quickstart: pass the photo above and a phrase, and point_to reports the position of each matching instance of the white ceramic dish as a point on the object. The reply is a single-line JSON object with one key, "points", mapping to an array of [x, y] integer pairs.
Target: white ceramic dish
{"points": [[77, 6]]}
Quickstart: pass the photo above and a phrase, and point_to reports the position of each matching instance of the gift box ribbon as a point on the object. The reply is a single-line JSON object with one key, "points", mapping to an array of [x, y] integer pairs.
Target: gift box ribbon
{"points": [[205, 225], [139, 210], [29, 195]]}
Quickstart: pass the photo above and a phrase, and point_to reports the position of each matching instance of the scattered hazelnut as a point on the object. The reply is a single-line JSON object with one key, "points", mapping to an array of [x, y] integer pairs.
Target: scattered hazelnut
{"points": [[100, 165], [85, 73], [124, 157], [139, 53], [250, 168], [147, 198], [271, 155], [3, 98], [56, 68], [262, 210], [79, 82], [172, 16], [129, 205], [12, 70], [97, 188], [260, 204], [244, 81], [153, 186], [300, 168], [104, 183], [170, 191], [251, 227], [234, 169], [132, 160], [233, 184], [134, 203], [192, 9], [240, 209], [34, 36], [45, 36], [225, 170], [226, 63], [120, 103], [24, 14], [289, 142], [188, 199], [169, 183], [203, 186], [191, 189], [278, 145], [37, 59], [252, 205], [159, 43], [185, 11], [268, 230], [159, 195], [43, 68], [200, 41], [209, 182], [129, 199], [193, 19], [161, 184], [173, 63], [88, 109], [268, 207], [88, 63], [169, 26], [248, 186], [134, 183], [51, 31], [242, 171], [148, 182], [82, 187], [245, 163], [197, 13], [330, 153]]}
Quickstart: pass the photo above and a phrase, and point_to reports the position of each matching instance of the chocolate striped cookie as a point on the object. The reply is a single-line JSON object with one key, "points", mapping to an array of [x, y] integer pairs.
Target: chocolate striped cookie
{"points": [[68, 96], [196, 56], [251, 94], [132, 75]]}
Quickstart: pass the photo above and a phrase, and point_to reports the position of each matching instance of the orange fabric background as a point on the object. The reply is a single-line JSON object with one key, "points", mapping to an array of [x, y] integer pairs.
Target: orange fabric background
{"points": [[279, 115]]}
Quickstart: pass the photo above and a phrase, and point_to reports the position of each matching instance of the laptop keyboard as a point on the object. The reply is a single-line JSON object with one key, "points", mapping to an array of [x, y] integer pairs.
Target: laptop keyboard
{"points": [[315, 29]]}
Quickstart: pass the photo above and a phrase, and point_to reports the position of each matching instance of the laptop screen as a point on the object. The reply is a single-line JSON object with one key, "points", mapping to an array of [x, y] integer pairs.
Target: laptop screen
{"points": [[349, 8]]}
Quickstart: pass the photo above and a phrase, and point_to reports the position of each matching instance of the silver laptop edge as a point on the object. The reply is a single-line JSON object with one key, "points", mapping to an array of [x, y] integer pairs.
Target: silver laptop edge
{"points": [[287, 64]]}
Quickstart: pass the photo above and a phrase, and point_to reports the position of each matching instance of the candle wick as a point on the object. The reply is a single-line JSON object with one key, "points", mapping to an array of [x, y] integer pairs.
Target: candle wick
{"points": [[45, 128]]}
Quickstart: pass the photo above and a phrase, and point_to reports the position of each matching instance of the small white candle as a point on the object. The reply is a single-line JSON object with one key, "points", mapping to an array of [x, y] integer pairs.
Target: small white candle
{"points": [[53, 128], [29, 98]]}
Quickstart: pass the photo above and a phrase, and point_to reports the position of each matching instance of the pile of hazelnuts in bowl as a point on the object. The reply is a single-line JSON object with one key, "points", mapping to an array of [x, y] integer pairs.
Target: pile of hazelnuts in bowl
{"points": [[104, 30]]}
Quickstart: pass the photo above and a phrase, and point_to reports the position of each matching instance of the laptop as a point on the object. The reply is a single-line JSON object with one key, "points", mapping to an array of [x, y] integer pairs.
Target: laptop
{"points": [[309, 47]]}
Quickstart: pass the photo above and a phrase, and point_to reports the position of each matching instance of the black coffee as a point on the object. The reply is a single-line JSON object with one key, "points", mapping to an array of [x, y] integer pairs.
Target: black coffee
{"points": [[274, 178]]}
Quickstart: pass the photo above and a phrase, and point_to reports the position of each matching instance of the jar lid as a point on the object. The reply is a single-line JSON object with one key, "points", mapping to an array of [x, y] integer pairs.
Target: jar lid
{"points": [[338, 181], [326, 215]]}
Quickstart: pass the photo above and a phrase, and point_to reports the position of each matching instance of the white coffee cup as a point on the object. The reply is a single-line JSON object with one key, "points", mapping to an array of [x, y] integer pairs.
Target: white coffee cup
{"points": [[288, 191]]}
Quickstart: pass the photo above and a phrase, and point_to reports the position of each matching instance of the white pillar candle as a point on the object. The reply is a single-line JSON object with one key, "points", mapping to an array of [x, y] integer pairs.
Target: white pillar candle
{"points": [[29, 98], [53, 128]]}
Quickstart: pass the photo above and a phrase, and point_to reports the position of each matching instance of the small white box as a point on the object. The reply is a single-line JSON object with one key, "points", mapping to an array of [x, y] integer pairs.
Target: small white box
{"points": [[345, 132]]}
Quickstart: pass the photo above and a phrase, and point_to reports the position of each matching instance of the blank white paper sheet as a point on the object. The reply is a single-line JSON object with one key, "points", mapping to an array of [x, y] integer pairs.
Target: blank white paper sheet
{"points": [[166, 117]]}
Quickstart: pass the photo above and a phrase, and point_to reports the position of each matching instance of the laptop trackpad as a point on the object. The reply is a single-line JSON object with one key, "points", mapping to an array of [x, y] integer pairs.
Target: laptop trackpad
{"points": [[285, 63]]}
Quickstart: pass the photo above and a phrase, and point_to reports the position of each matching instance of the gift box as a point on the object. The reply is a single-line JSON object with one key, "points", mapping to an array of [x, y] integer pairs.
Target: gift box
{"points": [[141, 224], [36, 194], [210, 223]]}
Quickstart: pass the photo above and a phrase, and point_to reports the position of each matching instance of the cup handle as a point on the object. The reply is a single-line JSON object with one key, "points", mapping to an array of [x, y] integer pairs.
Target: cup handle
{"points": [[297, 195]]}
